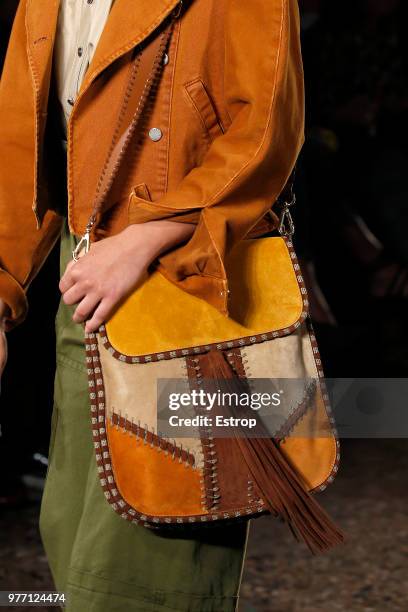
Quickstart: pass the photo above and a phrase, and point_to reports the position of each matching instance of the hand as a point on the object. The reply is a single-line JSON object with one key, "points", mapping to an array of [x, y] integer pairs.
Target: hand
{"points": [[113, 268], [4, 311]]}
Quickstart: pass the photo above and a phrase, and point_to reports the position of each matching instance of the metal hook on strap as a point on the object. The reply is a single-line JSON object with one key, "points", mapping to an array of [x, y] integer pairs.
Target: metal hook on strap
{"points": [[286, 225], [83, 245], [85, 242]]}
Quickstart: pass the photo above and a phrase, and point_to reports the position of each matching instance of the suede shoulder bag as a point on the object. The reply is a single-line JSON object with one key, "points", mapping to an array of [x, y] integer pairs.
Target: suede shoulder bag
{"points": [[160, 483]]}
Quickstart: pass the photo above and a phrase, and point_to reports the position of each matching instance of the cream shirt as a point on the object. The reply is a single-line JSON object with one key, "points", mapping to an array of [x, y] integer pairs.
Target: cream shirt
{"points": [[80, 25]]}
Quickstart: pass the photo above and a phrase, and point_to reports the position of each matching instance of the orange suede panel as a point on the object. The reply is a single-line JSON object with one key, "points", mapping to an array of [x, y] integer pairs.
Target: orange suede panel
{"points": [[160, 317], [151, 481], [311, 446], [313, 457]]}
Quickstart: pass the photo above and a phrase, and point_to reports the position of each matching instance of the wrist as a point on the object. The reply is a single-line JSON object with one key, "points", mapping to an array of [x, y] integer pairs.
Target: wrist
{"points": [[154, 237], [143, 242]]}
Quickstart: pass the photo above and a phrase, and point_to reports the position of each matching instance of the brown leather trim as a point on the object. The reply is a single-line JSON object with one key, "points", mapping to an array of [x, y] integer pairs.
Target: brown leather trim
{"points": [[230, 485], [237, 362]]}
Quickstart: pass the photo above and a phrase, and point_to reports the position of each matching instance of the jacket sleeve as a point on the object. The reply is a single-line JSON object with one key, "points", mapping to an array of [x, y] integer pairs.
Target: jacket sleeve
{"points": [[23, 247], [245, 169]]}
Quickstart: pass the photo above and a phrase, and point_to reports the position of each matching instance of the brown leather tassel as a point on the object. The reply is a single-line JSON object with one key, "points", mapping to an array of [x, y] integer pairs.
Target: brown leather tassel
{"points": [[277, 480]]}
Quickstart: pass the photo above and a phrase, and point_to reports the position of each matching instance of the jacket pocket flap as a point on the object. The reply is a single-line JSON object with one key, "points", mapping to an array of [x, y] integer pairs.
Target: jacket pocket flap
{"points": [[204, 106]]}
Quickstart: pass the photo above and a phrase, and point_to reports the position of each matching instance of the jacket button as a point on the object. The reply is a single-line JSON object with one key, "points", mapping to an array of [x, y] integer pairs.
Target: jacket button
{"points": [[165, 59], [155, 134]]}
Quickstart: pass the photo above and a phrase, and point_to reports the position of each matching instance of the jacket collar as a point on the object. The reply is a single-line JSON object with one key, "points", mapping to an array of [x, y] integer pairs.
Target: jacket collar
{"points": [[129, 23]]}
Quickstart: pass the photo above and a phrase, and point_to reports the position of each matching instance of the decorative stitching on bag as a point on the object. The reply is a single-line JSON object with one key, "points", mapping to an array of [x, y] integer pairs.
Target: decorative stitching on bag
{"points": [[210, 492], [255, 506], [104, 462], [161, 444], [297, 413], [238, 361], [244, 372]]}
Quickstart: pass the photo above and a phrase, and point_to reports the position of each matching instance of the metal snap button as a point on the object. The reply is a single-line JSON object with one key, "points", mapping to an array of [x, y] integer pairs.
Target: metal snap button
{"points": [[165, 59], [155, 134]]}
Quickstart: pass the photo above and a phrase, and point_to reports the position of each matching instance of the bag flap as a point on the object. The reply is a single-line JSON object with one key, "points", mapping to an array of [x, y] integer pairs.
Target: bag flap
{"points": [[267, 296]]}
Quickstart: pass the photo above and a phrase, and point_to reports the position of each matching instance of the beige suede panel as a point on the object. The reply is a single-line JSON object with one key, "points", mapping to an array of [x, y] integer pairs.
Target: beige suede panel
{"points": [[131, 391], [286, 357], [289, 361]]}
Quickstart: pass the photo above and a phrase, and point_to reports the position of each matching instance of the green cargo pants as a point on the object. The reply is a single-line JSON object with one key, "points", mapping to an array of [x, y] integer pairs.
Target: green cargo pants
{"points": [[102, 562]]}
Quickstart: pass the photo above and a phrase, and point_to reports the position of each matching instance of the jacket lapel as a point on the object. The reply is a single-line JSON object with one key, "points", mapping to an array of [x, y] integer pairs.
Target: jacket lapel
{"points": [[41, 25], [129, 23]]}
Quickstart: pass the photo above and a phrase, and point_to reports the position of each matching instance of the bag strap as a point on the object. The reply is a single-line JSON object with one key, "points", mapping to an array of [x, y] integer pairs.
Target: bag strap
{"points": [[142, 75]]}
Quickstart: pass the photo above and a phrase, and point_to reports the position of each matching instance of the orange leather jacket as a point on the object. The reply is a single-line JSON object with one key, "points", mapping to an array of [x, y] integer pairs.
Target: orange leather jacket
{"points": [[230, 110]]}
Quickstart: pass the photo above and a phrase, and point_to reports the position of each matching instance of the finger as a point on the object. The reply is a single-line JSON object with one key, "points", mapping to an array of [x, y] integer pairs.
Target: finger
{"points": [[74, 295], [100, 315], [85, 308], [67, 279]]}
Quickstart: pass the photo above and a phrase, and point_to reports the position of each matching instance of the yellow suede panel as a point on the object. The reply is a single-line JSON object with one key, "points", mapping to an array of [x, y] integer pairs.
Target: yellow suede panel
{"points": [[264, 296], [151, 481]]}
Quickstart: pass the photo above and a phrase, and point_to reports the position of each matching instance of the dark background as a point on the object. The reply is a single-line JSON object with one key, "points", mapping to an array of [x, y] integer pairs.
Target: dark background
{"points": [[351, 220]]}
